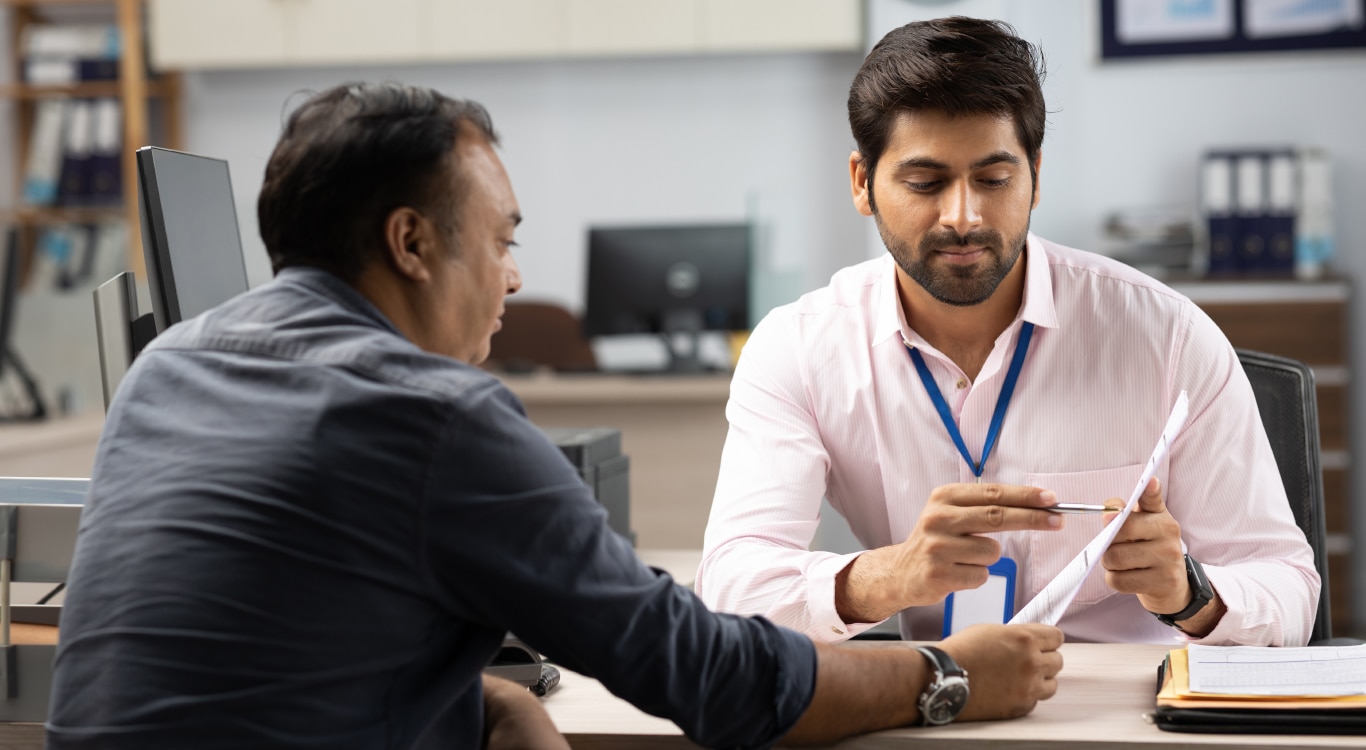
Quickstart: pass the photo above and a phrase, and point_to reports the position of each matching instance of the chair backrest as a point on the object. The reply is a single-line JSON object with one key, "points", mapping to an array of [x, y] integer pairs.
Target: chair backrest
{"points": [[1285, 397], [536, 334]]}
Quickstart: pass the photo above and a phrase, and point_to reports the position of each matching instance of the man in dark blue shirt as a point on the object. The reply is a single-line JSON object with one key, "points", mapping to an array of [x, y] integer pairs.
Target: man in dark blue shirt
{"points": [[312, 519]]}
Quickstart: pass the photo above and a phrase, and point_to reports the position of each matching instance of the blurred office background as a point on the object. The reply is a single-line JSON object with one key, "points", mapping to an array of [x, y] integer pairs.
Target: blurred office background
{"points": [[638, 135]]}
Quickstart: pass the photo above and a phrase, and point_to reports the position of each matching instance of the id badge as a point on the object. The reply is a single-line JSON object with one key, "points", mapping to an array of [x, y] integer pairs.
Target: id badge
{"points": [[992, 602]]}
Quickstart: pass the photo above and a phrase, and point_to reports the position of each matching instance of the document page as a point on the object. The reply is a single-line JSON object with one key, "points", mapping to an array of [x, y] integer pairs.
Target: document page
{"points": [[1047, 607], [1261, 670]]}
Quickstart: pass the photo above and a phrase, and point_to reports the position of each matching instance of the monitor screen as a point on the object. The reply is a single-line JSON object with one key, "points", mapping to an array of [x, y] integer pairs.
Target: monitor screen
{"points": [[668, 279], [190, 237]]}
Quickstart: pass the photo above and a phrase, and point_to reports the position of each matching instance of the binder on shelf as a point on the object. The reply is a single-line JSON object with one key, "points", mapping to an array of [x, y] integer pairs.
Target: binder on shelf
{"points": [[56, 54], [1250, 211], [1314, 236], [74, 185], [1216, 203], [43, 163], [1272, 206], [106, 168], [1278, 220]]}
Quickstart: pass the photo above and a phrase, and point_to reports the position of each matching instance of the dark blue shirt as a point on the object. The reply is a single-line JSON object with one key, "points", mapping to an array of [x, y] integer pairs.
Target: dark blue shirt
{"points": [[305, 532]]}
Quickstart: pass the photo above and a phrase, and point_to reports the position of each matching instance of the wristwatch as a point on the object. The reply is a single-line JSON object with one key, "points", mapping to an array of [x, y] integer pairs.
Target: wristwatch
{"points": [[946, 696], [1201, 594]]}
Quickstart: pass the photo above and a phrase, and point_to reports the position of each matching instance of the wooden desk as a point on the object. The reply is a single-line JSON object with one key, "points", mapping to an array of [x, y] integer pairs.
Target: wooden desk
{"points": [[60, 447], [1103, 693], [672, 427]]}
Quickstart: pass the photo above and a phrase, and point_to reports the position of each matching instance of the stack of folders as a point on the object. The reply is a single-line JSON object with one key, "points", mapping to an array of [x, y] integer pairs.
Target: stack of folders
{"points": [[1267, 211], [57, 54], [73, 155], [1246, 689]]}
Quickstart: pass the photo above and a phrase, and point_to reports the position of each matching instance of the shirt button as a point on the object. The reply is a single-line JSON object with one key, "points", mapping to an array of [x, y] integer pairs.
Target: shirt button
{"points": [[962, 383], [837, 630]]}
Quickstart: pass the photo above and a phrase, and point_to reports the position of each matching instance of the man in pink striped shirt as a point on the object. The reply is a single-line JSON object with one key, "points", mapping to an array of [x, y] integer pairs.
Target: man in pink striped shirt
{"points": [[1057, 367]]}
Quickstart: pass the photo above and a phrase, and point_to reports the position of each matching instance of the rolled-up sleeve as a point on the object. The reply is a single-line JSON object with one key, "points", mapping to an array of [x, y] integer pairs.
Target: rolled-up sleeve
{"points": [[514, 539]]}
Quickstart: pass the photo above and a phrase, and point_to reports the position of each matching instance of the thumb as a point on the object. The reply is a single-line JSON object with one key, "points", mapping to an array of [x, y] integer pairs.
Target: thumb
{"points": [[1151, 500]]}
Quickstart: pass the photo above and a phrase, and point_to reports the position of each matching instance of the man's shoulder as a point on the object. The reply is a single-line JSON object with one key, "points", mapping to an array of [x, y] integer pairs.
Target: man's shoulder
{"points": [[290, 324], [849, 299], [1073, 268]]}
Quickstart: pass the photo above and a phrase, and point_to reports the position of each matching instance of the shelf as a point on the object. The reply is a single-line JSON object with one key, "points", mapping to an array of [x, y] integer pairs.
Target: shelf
{"points": [[40, 4], [84, 90], [48, 215]]}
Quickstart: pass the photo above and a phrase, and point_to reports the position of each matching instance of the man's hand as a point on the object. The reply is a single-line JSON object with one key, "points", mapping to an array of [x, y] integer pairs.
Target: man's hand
{"points": [[943, 553], [1146, 559], [1010, 668], [514, 718]]}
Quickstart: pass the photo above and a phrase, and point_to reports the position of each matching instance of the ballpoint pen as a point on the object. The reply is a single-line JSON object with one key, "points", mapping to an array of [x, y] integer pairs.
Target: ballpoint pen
{"points": [[1083, 508]]}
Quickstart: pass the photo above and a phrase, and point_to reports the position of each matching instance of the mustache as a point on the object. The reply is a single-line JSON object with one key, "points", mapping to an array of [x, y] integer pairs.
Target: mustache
{"points": [[947, 238]]}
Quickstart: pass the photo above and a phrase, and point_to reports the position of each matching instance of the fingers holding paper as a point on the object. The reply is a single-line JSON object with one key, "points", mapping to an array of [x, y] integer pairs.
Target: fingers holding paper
{"points": [[944, 553], [1146, 559], [1022, 661]]}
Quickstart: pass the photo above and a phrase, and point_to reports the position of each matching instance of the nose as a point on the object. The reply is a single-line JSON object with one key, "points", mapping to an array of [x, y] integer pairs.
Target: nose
{"points": [[959, 209], [512, 273]]}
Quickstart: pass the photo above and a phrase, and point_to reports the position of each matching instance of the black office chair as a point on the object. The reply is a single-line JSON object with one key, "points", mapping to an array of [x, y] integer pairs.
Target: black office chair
{"points": [[1285, 397]]}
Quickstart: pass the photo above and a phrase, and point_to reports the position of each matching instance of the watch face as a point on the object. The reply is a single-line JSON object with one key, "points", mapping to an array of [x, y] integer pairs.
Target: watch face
{"points": [[946, 702]]}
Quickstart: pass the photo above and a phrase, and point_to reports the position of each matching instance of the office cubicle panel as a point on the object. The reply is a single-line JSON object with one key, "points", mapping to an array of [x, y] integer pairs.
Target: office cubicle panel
{"points": [[38, 522]]}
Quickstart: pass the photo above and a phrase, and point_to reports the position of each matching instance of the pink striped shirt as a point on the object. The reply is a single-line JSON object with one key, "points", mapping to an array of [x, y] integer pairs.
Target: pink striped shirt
{"points": [[826, 403]]}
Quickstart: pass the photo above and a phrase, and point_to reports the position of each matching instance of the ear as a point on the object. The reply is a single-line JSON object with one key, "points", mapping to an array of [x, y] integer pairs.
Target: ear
{"points": [[858, 183], [1038, 170], [409, 243]]}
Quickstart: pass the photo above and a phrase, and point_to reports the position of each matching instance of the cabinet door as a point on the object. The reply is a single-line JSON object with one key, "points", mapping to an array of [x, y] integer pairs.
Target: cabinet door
{"points": [[618, 27], [221, 33], [752, 25], [347, 31], [509, 28]]}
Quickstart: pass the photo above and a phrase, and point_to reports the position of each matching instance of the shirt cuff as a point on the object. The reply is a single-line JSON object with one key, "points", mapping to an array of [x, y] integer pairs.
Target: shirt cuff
{"points": [[826, 625], [1230, 626]]}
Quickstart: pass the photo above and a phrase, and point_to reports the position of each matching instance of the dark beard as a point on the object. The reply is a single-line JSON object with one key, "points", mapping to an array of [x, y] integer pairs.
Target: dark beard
{"points": [[957, 285]]}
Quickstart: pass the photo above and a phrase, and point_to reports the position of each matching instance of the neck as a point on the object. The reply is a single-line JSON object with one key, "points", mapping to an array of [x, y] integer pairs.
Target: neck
{"points": [[965, 335]]}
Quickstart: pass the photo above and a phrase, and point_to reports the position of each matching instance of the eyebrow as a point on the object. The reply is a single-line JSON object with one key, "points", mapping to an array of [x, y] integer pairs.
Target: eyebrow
{"points": [[925, 162], [516, 218]]}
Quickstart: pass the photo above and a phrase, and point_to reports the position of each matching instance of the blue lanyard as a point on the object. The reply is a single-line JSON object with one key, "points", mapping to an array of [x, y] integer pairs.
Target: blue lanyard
{"points": [[1002, 401]]}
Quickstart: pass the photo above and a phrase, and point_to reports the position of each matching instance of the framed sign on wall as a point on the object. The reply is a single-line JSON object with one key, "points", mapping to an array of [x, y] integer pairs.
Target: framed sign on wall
{"points": [[1147, 28]]}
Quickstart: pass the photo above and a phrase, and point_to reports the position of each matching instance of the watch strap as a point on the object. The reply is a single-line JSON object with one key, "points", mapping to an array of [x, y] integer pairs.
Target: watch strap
{"points": [[1201, 594], [943, 663]]}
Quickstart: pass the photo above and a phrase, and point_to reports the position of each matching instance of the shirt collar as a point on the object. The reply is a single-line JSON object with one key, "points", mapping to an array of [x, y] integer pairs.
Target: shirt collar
{"points": [[332, 287], [1038, 307]]}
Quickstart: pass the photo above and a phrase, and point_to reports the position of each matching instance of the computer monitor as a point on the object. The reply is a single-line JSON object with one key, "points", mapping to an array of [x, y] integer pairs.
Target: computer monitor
{"points": [[670, 280], [192, 248], [32, 406], [190, 238]]}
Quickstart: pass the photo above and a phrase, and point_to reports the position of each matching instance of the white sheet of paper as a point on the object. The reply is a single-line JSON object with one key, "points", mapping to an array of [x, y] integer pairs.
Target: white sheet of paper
{"points": [[1049, 604], [1261, 670]]}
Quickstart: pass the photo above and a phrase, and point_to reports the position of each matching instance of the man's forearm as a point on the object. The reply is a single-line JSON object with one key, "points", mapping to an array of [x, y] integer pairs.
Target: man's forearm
{"points": [[861, 690], [862, 588]]}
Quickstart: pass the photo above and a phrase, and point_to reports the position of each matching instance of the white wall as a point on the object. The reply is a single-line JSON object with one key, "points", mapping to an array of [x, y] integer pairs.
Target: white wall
{"points": [[602, 141]]}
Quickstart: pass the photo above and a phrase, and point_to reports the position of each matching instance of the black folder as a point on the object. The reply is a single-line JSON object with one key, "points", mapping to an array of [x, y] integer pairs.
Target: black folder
{"points": [[1257, 720]]}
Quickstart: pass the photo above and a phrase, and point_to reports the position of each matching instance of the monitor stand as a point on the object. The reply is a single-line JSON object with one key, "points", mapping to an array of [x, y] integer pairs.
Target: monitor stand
{"points": [[683, 324], [35, 408]]}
